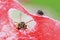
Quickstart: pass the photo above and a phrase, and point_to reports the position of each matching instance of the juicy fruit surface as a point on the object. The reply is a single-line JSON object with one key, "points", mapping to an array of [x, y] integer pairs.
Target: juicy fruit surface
{"points": [[45, 29]]}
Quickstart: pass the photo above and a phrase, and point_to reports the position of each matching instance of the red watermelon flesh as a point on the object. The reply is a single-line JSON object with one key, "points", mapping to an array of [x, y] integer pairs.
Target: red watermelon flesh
{"points": [[45, 29]]}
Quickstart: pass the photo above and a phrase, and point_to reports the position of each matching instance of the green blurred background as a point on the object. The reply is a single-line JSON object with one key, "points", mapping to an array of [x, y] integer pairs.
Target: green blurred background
{"points": [[51, 8]]}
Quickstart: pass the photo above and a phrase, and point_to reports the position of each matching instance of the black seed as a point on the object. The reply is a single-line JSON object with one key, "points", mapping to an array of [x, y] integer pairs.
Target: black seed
{"points": [[39, 12]]}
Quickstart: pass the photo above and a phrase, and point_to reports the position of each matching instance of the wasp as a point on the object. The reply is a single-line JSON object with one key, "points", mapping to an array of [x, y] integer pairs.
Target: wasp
{"points": [[21, 24]]}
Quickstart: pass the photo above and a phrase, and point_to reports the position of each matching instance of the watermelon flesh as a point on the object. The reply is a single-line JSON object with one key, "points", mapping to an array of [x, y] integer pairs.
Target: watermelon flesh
{"points": [[45, 29]]}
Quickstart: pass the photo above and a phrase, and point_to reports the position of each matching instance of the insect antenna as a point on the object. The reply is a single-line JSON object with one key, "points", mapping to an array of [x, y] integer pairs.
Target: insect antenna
{"points": [[20, 17], [29, 21]]}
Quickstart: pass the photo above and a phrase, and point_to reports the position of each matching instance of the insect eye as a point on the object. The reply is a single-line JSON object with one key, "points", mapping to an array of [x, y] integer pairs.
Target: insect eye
{"points": [[39, 12]]}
